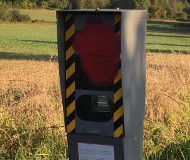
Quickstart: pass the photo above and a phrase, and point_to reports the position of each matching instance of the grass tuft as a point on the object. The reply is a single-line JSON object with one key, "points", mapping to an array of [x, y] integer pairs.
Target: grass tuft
{"points": [[166, 129], [31, 116]]}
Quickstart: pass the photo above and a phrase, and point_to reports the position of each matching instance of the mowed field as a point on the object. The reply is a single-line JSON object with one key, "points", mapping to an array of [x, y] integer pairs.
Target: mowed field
{"points": [[40, 38], [28, 40], [31, 116], [40, 14]]}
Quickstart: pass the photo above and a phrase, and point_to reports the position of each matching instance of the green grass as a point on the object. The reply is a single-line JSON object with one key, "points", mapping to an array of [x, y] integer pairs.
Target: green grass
{"points": [[40, 14], [28, 39], [165, 37], [40, 39]]}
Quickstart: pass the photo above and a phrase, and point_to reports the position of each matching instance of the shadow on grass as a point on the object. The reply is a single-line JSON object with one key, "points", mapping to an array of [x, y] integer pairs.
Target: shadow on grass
{"points": [[167, 51], [24, 56], [163, 44], [172, 36], [39, 41], [168, 27]]}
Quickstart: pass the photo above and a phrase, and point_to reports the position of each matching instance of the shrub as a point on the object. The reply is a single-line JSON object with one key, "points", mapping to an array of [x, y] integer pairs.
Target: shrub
{"points": [[139, 4], [44, 4], [169, 9], [3, 12], [181, 16], [14, 15], [92, 4], [25, 18], [59, 4]]}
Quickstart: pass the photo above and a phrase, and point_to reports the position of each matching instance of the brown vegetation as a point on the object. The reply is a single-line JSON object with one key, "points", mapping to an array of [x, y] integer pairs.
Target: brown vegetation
{"points": [[167, 106], [31, 111], [31, 116]]}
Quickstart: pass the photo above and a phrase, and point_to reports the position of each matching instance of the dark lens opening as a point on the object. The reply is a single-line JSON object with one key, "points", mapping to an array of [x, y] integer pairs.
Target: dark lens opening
{"points": [[94, 108]]}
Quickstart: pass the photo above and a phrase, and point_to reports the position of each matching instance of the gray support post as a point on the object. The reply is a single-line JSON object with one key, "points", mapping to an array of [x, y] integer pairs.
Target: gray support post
{"points": [[133, 49]]}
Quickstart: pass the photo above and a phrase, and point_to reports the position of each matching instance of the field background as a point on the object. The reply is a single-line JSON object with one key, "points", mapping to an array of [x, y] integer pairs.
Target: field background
{"points": [[39, 39], [40, 14], [31, 117]]}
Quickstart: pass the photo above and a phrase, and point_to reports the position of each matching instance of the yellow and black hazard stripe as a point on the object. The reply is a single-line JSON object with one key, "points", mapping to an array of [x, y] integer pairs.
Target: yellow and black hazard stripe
{"points": [[69, 74], [118, 97], [117, 22]]}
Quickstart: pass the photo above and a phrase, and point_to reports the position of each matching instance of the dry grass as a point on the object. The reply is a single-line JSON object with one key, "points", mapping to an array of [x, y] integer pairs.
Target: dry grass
{"points": [[167, 106], [31, 119], [30, 109], [168, 84], [31, 85]]}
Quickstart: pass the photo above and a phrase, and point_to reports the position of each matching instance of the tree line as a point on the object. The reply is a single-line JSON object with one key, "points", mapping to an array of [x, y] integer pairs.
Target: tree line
{"points": [[160, 9]]}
